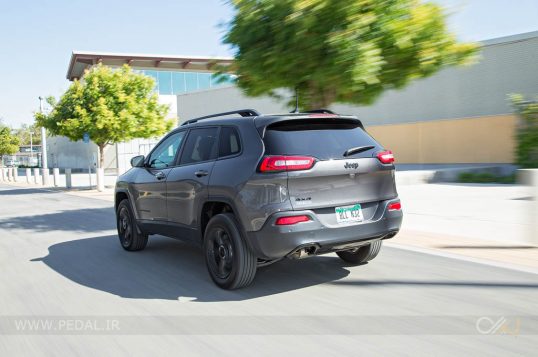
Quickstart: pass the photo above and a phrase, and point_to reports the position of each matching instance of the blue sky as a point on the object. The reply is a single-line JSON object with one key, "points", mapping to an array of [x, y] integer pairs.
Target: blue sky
{"points": [[37, 37]]}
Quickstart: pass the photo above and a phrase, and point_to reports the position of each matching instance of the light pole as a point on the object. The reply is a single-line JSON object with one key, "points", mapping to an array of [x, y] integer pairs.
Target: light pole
{"points": [[44, 166], [43, 139], [31, 146]]}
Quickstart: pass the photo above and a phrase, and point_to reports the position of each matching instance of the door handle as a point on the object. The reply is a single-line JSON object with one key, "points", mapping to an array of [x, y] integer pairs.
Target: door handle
{"points": [[201, 173], [160, 175]]}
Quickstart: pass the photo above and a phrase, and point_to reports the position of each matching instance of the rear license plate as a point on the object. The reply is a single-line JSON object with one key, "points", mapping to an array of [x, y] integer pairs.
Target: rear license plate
{"points": [[349, 214]]}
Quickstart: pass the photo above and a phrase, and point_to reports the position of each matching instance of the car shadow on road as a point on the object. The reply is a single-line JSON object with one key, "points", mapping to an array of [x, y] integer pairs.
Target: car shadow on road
{"points": [[23, 191], [172, 270], [79, 220]]}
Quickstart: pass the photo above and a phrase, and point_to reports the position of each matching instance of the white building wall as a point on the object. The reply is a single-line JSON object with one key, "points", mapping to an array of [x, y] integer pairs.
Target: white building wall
{"points": [[196, 104], [64, 153]]}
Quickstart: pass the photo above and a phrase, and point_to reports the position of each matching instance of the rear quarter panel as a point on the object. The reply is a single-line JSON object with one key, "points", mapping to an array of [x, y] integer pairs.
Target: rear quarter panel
{"points": [[234, 179]]}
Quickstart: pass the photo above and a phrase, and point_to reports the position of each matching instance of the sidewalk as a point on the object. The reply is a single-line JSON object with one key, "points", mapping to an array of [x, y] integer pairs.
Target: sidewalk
{"points": [[106, 195], [518, 255], [449, 219]]}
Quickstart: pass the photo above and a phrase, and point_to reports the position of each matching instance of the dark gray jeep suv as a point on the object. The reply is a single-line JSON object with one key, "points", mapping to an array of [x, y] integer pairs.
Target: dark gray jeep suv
{"points": [[252, 189]]}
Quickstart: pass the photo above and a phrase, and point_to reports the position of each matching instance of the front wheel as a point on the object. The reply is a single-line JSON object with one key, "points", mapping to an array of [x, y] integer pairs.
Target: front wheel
{"points": [[131, 238], [229, 261], [362, 254]]}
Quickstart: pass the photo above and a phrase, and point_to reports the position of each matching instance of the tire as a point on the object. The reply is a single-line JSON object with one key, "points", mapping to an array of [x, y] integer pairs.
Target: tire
{"points": [[131, 238], [229, 261], [362, 254]]}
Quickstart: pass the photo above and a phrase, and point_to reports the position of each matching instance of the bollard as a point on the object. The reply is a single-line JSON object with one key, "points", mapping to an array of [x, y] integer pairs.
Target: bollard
{"points": [[100, 173], [36, 176], [56, 175], [28, 175], [533, 217], [15, 174], [9, 173], [68, 182], [45, 173], [2, 177], [529, 177]]}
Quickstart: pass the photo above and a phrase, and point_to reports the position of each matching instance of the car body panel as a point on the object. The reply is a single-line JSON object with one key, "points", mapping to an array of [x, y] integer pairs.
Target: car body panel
{"points": [[149, 194], [342, 182], [274, 242], [186, 192]]}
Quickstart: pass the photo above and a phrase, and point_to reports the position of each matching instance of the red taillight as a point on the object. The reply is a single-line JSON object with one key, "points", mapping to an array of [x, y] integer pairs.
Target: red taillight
{"points": [[386, 157], [286, 221], [394, 206], [286, 163]]}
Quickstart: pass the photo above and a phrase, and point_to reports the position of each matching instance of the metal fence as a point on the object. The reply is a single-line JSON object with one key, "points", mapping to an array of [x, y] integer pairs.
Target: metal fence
{"points": [[22, 160]]}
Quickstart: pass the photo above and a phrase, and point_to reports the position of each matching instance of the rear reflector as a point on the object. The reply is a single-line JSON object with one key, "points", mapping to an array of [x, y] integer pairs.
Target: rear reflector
{"points": [[286, 163], [386, 157], [286, 221], [395, 206]]}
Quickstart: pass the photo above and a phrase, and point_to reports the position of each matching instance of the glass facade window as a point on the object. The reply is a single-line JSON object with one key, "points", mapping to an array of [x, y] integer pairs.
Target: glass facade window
{"points": [[165, 82], [176, 82], [191, 82], [222, 79], [155, 76], [204, 80]]}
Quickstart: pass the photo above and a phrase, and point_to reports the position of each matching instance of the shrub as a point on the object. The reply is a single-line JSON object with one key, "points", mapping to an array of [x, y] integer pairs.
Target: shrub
{"points": [[527, 132], [485, 177]]}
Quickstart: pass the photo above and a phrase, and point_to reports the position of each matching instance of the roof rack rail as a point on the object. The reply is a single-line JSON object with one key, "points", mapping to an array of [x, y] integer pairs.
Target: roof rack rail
{"points": [[241, 112], [320, 111]]}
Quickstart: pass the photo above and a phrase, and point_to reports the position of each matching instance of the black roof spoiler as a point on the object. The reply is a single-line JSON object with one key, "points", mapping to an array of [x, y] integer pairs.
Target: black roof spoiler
{"points": [[263, 122]]}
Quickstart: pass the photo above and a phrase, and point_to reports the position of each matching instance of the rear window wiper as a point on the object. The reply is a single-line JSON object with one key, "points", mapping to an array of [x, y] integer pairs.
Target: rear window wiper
{"points": [[357, 150]]}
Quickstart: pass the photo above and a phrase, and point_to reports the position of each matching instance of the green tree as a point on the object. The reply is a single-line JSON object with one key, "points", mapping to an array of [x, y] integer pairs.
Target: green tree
{"points": [[527, 131], [23, 133], [111, 105], [346, 51], [9, 144]]}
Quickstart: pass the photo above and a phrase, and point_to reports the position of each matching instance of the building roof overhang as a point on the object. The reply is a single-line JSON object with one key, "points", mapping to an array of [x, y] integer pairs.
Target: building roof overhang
{"points": [[80, 61]]}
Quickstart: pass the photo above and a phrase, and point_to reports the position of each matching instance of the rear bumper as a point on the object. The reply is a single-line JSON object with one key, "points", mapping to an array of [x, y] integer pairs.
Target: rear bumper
{"points": [[274, 242]]}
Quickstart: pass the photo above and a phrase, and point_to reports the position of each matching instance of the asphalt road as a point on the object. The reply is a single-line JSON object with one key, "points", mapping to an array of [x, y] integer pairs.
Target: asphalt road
{"points": [[68, 288]]}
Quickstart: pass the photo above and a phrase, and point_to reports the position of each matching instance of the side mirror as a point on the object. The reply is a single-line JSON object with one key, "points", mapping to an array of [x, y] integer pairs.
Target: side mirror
{"points": [[137, 161]]}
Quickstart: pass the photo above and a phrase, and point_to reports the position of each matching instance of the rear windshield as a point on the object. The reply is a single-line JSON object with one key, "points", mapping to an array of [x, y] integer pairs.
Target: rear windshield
{"points": [[324, 139]]}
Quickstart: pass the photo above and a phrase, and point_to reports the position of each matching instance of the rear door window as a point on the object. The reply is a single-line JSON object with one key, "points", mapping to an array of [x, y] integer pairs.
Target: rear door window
{"points": [[323, 139], [201, 145]]}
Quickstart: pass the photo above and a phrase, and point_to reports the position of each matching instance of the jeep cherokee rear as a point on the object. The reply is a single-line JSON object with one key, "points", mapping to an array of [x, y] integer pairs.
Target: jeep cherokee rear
{"points": [[258, 188]]}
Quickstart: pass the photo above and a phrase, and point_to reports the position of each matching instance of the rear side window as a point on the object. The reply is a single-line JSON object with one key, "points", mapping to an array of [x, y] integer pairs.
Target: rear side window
{"points": [[201, 145], [321, 138], [229, 143]]}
